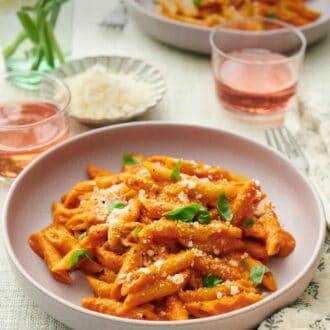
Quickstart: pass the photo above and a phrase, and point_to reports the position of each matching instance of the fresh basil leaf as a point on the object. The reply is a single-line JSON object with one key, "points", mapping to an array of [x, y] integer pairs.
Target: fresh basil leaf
{"points": [[244, 263], [115, 205], [224, 209], [249, 223], [136, 230], [129, 160], [78, 255], [257, 274], [186, 213], [82, 236], [175, 175], [211, 281], [271, 14], [204, 216], [197, 2]]}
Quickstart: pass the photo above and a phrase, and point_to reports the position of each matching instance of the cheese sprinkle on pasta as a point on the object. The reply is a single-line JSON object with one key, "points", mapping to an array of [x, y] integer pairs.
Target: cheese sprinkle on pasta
{"points": [[152, 250]]}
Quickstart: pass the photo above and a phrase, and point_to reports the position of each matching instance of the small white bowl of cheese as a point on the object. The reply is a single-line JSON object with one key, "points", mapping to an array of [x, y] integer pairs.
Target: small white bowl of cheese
{"points": [[111, 89]]}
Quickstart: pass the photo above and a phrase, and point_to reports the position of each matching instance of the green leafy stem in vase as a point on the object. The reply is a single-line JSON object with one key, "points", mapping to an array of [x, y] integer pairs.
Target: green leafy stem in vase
{"points": [[38, 23]]}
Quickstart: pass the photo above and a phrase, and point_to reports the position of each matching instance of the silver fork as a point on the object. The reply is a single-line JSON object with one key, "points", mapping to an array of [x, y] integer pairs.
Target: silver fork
{"points": [[281, 139], [117, 18]]}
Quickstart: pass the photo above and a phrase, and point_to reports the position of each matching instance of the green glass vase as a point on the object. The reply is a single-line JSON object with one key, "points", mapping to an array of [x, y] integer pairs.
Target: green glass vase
{"points": [[37, 36]]}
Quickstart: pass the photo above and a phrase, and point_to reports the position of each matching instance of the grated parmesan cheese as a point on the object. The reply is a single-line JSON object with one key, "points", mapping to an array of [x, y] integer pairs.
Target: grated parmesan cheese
{"points": [[142, 193], [183, 197], [234, 290], [100, 94], [114, 216], [144, 270], [188, 183], [158, 263], [199, 253], [219, 295], [176, 279], [233, 262]]}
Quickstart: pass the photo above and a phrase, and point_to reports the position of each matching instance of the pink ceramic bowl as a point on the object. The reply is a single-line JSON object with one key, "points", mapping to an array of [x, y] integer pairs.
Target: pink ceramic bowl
{"points": [[27, 209]]}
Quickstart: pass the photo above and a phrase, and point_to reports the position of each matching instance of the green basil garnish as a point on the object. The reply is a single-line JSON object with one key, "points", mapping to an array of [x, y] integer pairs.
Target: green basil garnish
{"points": [[115, 205], [188, 213], [129, 160], [244, 263], [249, 223], [224, 209], [78, 255], [82, 236], [211, 281], [197, 2], [136, 230], [204, 216], [271, 14], [175, 175], [257, 274]]}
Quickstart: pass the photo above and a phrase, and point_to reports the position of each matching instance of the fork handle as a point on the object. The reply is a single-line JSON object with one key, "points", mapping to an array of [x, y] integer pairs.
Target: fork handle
{"points": [[324, 201]]}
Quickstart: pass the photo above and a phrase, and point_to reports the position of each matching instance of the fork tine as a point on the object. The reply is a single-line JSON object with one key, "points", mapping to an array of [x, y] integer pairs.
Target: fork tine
{"points": [[297, 148], [117, 17], [276, 140], [286, 142], [268, 138]]}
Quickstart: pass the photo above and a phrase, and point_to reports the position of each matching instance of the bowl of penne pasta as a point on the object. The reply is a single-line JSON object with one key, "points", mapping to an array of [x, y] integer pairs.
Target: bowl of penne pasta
{"points": [[187, 24], [161, 225]]}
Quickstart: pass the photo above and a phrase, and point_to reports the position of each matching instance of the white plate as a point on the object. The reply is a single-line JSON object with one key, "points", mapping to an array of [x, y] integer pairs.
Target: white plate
{"points": [[28, 209], [196, 38]]}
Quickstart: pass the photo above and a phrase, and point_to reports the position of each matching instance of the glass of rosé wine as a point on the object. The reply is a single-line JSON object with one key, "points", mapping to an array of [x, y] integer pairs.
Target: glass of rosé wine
{"points": [[33, 118], [256, 64]]}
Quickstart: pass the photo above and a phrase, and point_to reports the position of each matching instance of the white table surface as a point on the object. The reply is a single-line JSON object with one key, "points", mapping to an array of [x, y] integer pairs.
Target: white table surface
{"points": [[190, 97]]}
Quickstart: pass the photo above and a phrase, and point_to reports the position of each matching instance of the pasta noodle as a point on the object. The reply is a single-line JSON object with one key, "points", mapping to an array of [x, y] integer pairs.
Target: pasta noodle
{"points": [[165, 239], [211, 13]]}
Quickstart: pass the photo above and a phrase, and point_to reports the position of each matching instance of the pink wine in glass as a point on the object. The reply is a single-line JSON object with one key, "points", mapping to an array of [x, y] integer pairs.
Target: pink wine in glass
{"points": [[255, 81], [27, 129]]}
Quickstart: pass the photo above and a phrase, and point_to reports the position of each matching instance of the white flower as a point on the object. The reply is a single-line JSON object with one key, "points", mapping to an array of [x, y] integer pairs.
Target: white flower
{"points": [[9, 6]]}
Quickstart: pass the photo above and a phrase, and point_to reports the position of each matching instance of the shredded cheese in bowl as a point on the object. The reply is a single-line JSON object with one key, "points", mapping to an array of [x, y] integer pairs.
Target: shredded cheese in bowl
{"points": [[100, 94]]}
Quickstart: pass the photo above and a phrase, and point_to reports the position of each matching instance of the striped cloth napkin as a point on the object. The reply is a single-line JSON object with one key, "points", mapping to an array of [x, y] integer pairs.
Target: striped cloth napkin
{"points": [[312, 309]]}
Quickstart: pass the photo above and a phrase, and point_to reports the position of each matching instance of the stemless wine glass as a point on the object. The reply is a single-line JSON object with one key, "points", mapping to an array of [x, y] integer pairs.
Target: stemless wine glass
{"points": [[256, 64], [33, 117]]}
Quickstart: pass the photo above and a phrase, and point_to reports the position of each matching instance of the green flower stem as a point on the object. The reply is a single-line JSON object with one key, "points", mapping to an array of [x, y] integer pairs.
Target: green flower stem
{"points": [[29, 26], [54, 15], [46, 41], [56, 47], [37, 62], [12, 47], [38, 23]]}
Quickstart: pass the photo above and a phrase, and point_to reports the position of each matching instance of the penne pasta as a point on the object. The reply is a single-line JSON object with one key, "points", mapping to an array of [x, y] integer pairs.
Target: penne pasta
{"points": [[166, 239], [212, 13]]}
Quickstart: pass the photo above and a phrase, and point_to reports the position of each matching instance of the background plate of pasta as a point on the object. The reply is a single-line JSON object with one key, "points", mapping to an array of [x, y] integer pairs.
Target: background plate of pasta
{"points": [[158, 225], [187, 23]]}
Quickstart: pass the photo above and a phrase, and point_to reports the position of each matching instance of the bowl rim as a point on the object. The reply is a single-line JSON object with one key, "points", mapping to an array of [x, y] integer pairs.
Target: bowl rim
{"points": [[138, 7], [273, 296], [153, 101]]}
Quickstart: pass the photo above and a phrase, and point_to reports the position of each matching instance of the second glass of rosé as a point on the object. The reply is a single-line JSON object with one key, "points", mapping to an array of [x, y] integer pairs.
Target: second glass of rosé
{"points": [[33, 118], [256, 64]]}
